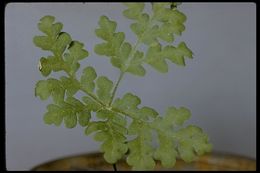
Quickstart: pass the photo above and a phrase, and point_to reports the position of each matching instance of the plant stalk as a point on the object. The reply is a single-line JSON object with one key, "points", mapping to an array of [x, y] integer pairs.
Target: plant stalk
{"points": [[114, 90], [114, 166]]}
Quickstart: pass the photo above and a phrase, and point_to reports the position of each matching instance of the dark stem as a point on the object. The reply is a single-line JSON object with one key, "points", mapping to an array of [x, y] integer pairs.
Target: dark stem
{"points": [[114, 166]]}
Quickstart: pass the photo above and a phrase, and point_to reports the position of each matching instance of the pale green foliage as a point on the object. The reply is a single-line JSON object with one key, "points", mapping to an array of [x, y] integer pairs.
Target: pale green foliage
{"points": [[112, 128], [104, 88], [134, 10], [117, 49], [141, 150], [112, 133], [71, 111], [71, 84], [91, 104], [51, 87], [87, 78], [192, 141], [75, 53], [57, 42], [187, 139], [129, 103], [156, 57], [163, 24], [166, 151]]}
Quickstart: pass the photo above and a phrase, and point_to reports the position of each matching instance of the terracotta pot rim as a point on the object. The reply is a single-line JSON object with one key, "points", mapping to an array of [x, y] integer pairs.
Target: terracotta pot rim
{"points": [[206, 159]]}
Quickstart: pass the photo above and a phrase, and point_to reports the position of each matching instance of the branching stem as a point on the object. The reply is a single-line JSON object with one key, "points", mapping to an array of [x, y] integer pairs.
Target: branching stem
{"points": [[131, 56]]}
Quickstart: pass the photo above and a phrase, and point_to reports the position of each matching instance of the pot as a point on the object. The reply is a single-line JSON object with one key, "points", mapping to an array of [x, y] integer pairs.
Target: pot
{"points": [[215, 161]]}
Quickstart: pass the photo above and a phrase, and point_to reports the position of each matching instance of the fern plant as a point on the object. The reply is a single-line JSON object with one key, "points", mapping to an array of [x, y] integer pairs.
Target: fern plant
{"points": [[119, 137]]}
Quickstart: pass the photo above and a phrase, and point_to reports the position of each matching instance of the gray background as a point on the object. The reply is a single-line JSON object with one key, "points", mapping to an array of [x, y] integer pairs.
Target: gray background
{"points": [[218, 85]]}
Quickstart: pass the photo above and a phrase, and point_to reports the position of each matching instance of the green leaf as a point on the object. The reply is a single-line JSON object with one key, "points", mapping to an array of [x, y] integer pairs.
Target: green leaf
{"points": [[138, 58], [51, 87], [104, 88], [113, 40], [168, 30], [84, 117], [46, 26], [49, 64], [141, 151], [71, 85], [60, 44], [56, 45], [75, 53], [70, 121], [82, 111], [156, 56], [115, 47], [155, 59], [53, 116], [166, 151], [87, 79], [95, 126], [66, 52], [176, 55], [71, 110], [134, 10], [192, 140], [107, 28], [91, 104], [135, 66], [148, 31], [147, 112], [111, 47], [172, 21], [113, 149], [164, 24], [132, 62], [113, 146], [104, 114], [45, 66], [140, 26], [173, 118], [118, 50], [128, 102], [42, 90], [124, 53], [149, 37], [137, 70], [77, 105], [183, 50], [176, 116], [164, 14], [188, 141], [55, 39], [43, 42], [118, 122]]}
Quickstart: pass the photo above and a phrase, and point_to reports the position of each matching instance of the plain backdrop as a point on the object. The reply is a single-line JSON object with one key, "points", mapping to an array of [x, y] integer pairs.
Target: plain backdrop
{"points": [[218, 85]]}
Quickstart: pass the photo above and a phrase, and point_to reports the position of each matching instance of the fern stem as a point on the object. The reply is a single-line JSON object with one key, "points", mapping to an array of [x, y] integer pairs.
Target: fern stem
{"points": [[94, 97], [123, 71], [115, 88], [114, 166], [131, 56]]}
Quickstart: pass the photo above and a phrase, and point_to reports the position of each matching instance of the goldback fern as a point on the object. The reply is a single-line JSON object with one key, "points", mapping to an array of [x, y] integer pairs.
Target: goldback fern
{"points": [[112, 128]]}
